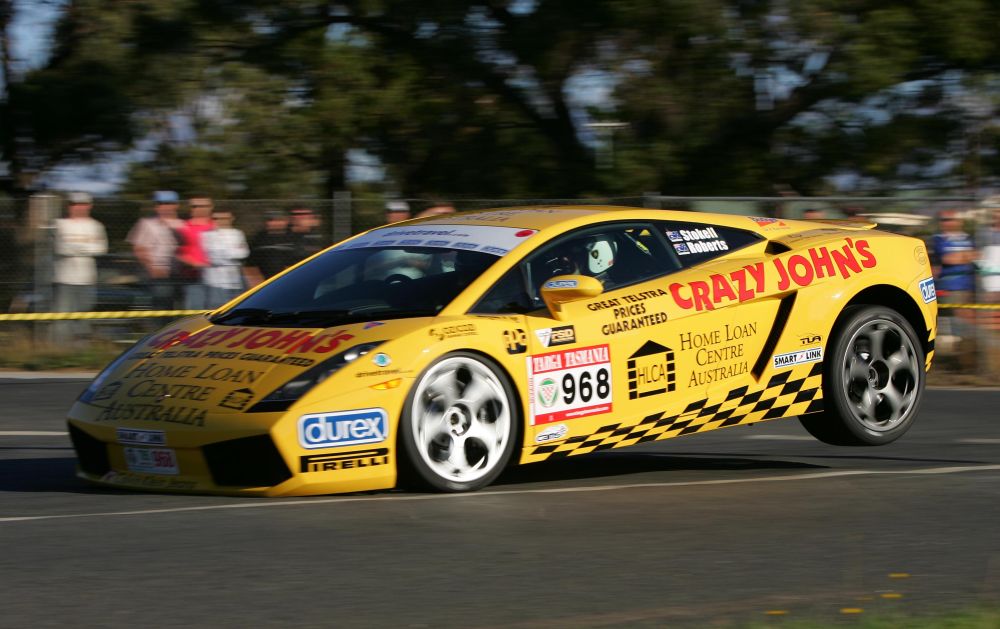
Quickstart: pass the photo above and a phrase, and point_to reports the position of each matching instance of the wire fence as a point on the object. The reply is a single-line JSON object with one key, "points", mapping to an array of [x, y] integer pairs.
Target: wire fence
{"points": [[127, 307]]}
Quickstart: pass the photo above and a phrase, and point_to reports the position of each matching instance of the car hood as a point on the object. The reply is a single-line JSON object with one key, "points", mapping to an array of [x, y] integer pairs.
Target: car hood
{"points": [[195, 363]]}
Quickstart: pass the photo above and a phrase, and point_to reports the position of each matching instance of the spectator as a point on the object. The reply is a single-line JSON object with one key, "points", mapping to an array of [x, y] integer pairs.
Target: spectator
{"points": [[226, 248], [437, 209], [813, 214], [191, 257], [989, 266], [396, 264], [154, 243], [78, 239], [989, 261], [396, 211], [272, 249], [954, 254], [10, 262], [305, 232]]}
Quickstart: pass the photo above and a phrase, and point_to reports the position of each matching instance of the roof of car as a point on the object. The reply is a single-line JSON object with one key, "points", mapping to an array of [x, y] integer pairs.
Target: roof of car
{"points": [[542, 216]]}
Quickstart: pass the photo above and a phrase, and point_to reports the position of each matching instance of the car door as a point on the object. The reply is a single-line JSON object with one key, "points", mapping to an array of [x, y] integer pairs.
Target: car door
{"points": [[730, 314], [608, 358]]}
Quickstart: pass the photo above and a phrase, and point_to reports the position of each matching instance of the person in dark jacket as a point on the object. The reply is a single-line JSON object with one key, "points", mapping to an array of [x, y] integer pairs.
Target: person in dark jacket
{"points": [[272, 249]]}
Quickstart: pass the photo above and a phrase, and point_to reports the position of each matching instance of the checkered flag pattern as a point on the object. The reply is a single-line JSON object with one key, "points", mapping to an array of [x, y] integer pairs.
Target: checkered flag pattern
{"points": [[794, 392]]}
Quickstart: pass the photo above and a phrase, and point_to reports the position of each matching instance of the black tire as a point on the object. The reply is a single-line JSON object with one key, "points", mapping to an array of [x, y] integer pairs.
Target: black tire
{"points": [[478, 426], [873, 379]]}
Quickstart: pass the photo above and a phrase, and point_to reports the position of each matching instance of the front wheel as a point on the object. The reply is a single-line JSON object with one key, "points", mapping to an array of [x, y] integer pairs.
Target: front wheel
{"points": [[873, 379], [458, 426]]}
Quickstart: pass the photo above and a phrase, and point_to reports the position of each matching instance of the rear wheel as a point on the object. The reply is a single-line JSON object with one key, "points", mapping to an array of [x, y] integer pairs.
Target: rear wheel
{"points": [[873, 379], [458, 426]]}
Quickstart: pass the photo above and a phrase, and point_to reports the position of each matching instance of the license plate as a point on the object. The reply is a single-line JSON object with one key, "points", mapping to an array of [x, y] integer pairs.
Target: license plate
{"points": [[152, 460]]}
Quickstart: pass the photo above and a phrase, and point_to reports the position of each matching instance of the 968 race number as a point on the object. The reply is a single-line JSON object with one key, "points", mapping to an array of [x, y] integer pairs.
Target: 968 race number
{"points": [[586, 388], [151, 460], [570, 384]]}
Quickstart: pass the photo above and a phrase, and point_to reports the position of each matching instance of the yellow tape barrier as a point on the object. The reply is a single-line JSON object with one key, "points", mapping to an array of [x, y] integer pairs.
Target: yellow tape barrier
{"points": [[121, 314], [971, 306]]}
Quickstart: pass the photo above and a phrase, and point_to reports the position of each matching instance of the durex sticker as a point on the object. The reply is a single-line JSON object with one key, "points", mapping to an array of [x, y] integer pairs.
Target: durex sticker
{"points": [[927, 290], [343, 428]]}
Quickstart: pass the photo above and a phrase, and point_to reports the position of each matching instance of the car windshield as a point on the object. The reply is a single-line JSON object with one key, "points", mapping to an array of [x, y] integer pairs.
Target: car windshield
{"points": [[353, 284]]}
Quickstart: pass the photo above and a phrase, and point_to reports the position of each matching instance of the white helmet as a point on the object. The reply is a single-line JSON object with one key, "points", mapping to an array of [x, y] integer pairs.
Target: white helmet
{"points": [[600, 254]]}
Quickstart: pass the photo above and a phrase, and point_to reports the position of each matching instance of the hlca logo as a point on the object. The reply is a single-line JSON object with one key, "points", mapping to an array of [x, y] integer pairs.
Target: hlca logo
{"points": [[651, 371]]}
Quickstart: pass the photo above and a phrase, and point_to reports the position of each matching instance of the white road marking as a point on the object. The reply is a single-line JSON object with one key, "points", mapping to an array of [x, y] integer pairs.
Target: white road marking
{"points": [[515, 492], [32, 433], [979, 441], [781, 437]]}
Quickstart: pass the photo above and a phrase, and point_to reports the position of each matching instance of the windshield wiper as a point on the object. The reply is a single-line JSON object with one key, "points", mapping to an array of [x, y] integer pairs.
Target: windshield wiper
{"points": [[298, 315], [249, 314]]}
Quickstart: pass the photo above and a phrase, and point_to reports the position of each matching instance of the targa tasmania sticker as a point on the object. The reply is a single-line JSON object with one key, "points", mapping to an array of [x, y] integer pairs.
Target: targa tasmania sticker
{"points": [[569, 384]]}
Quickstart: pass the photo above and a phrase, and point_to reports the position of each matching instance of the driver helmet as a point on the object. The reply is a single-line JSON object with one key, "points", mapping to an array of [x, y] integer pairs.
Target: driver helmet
{"points": [[601, 252]]}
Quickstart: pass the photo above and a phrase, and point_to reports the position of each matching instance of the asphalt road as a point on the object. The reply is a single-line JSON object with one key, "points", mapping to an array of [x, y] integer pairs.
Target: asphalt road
{"points": [[749, 524]]}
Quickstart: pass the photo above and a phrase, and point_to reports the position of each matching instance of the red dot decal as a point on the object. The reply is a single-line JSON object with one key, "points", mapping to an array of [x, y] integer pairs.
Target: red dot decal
{"points": [[524, 233]]}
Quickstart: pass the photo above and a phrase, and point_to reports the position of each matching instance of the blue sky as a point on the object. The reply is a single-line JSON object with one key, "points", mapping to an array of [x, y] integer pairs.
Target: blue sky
{"points": [[31, 31], [30, 40]]}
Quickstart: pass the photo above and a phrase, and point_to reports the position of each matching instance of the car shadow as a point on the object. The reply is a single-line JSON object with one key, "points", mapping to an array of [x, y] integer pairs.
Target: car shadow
{"points": [[47, 475], [58, 474], [608, 464]]}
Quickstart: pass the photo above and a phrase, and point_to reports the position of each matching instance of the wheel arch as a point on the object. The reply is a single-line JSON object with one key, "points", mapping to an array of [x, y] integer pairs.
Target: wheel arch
{"points": [[519, 426], [900, 301]]}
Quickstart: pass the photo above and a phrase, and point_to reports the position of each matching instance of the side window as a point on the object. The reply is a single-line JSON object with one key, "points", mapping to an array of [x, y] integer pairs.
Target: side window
{"points": [[617, 255], [694, 243], [508, 296]]}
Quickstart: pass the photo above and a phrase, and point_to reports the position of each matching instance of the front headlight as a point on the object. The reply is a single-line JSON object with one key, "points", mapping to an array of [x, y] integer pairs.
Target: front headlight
{"points": [[286, 395], [96, 384]]}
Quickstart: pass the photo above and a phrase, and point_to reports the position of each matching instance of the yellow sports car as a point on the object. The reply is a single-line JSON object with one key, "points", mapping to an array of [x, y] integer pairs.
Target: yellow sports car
{"points": [[435, 352]]}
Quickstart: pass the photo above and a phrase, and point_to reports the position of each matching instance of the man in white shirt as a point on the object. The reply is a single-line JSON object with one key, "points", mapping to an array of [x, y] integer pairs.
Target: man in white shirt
{"points": [[154, 241], [226, 248], [78, 239]]}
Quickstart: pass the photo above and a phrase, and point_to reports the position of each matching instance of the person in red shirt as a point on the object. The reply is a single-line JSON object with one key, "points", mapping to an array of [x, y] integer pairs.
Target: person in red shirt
{"points": [[191, 253]]}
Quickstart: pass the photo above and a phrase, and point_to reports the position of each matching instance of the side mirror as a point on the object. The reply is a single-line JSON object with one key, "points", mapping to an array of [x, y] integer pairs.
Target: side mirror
{"points": [[563, 289]]}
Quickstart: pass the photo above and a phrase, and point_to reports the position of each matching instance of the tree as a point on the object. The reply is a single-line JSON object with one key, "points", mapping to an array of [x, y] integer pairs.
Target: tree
{"points": [[795, 93], [266, 98]]}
